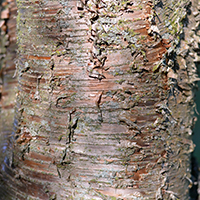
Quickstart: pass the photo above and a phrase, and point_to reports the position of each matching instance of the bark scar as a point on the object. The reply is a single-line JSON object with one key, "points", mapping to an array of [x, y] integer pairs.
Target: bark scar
{"points": [[72, 125], [98, 99], [97, 103]]}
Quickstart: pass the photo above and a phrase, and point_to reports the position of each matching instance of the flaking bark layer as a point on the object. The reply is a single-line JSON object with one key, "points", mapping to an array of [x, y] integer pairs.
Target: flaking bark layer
{"points": [[104, 106]]}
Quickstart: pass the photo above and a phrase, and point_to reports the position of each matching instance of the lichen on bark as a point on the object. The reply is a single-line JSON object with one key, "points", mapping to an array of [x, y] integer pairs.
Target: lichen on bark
{"points": [[104, 102]]}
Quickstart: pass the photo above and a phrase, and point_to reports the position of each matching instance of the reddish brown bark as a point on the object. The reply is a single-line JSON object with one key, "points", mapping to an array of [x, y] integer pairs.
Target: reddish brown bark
{"points": [[104, 101], [8, 85]]}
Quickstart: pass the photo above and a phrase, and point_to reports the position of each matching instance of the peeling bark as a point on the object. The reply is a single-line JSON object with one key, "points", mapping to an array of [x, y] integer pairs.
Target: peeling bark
{"points": [[105, 100]]}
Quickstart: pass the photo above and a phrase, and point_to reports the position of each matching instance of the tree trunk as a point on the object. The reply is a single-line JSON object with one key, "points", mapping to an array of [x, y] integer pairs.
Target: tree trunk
{"points": [[8, 85], [105, 100]]}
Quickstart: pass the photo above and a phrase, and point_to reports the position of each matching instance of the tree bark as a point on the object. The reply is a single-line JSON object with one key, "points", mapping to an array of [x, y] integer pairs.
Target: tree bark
{"points": [[8, 82], [105, 100]]}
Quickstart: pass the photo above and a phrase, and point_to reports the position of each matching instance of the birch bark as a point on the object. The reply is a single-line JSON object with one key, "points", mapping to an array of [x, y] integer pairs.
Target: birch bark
{"points": [[105, 100]]}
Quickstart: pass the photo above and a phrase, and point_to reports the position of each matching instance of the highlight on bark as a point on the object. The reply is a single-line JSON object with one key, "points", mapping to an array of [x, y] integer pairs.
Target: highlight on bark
{"points": [[105, 99]]}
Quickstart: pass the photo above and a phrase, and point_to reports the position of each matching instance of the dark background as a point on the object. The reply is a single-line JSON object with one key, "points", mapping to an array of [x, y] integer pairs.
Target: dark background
{"points": [[196, 136]]}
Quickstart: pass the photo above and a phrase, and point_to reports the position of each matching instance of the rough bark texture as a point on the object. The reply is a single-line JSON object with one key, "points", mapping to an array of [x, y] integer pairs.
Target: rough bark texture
{"points": [[104, 102]]}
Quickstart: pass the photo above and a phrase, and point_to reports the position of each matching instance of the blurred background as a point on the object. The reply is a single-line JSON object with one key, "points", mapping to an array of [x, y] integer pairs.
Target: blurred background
{"points": [[196, 136]]}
